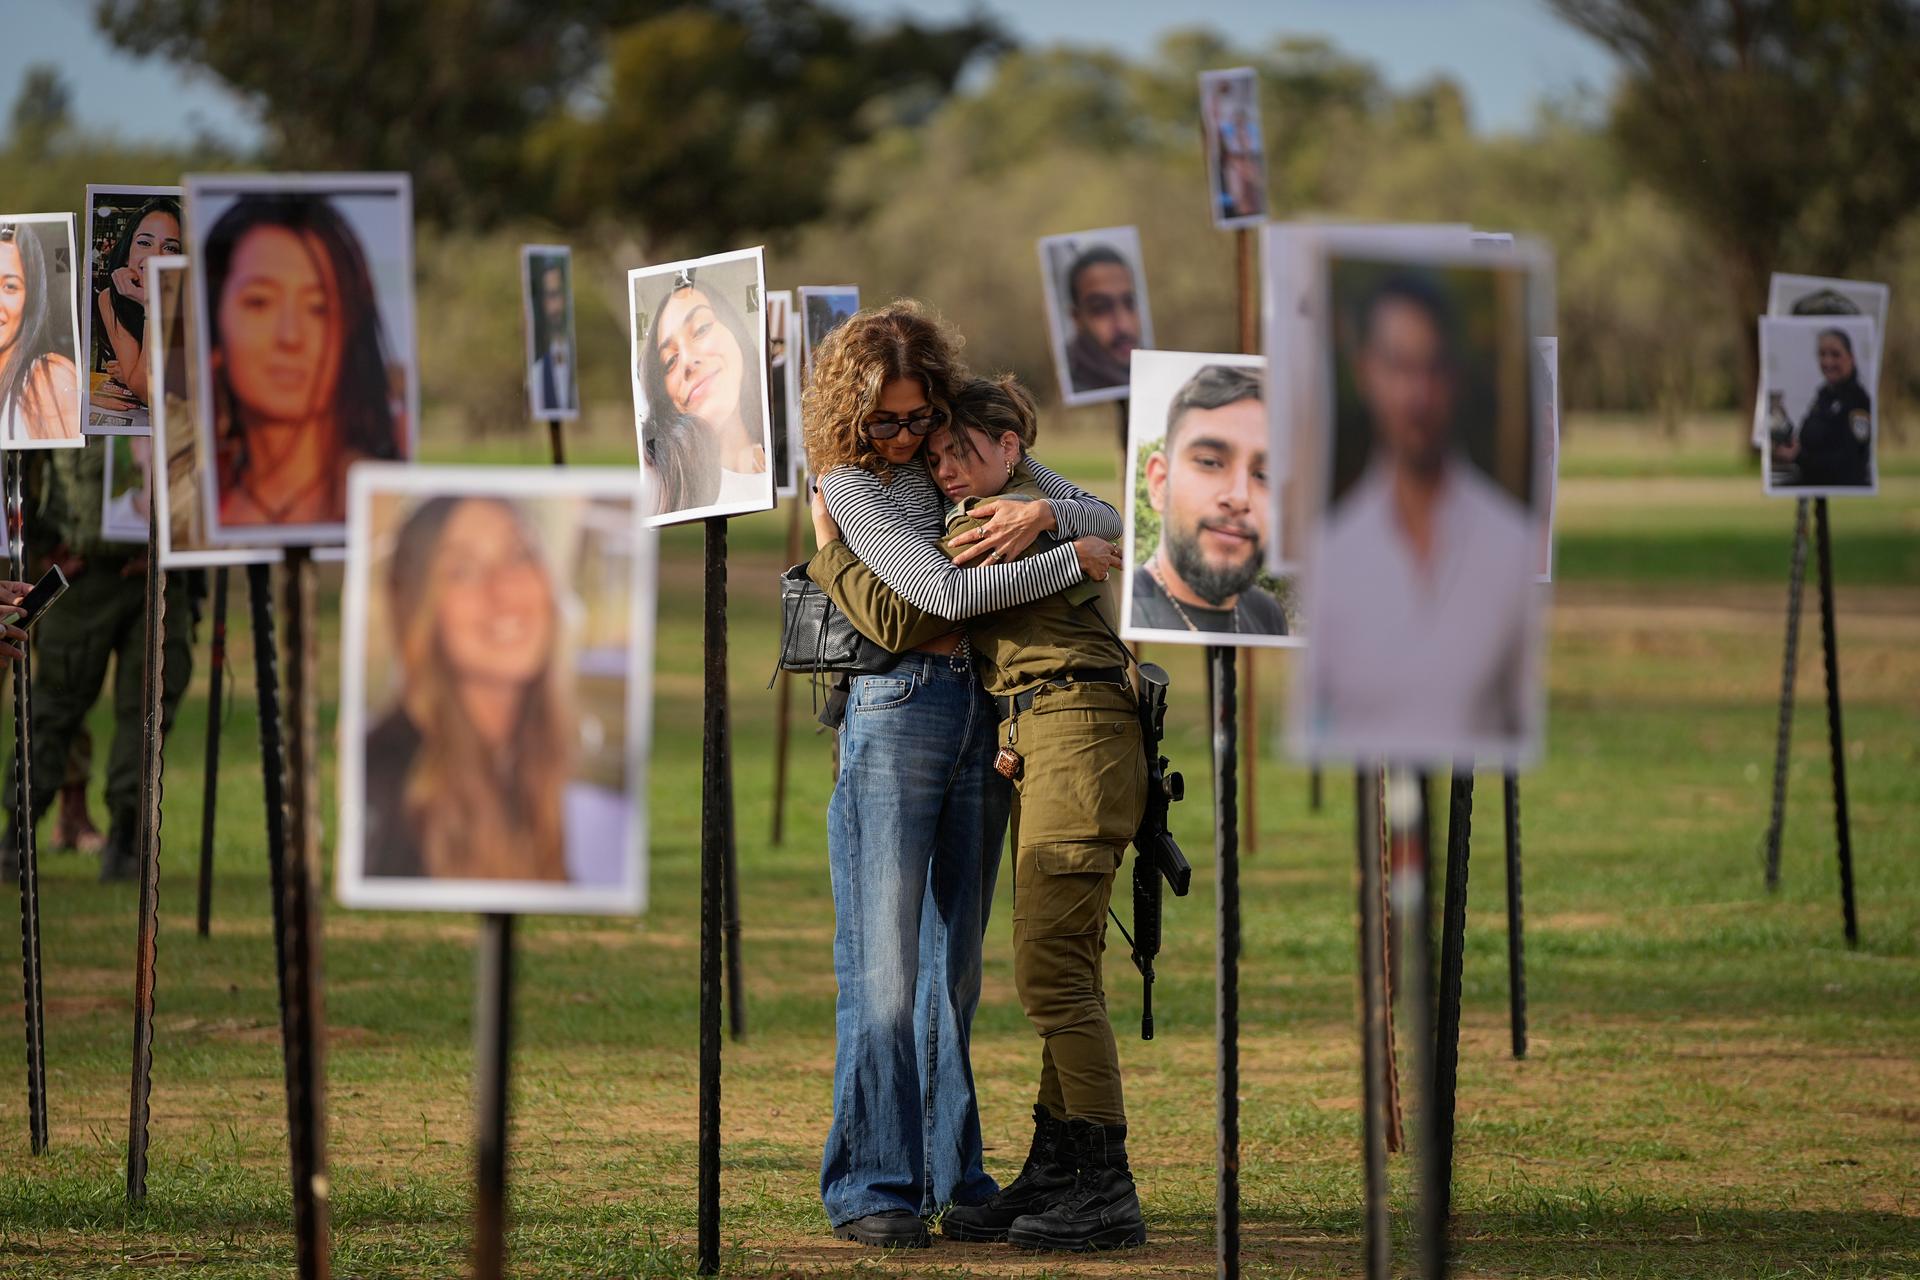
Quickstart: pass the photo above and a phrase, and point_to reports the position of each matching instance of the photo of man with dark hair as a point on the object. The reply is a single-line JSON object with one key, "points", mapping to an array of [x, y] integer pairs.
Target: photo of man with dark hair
{"points": [[1097, 310], [1206, 486], [553, 378]]}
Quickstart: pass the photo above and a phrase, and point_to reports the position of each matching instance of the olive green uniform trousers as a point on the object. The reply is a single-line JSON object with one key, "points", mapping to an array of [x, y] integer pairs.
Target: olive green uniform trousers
{"points": [[1078, 802]]}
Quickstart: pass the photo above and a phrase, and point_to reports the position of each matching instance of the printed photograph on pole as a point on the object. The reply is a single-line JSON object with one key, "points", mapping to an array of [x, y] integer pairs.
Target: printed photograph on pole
{"points": [[496, 699], [546, 292], [304, 346], [41, 387], [781, 400], [1795, 295], [700, 401], [182, 542], [1236, 156], [1822, 422], [1199, 519], [1429, 498], [1546, 385], [1097, 315], [126, 488], [823, 308], [125, 228]]}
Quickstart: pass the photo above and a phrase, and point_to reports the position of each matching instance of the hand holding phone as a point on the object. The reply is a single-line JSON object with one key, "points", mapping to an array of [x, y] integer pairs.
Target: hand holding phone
{"points": [[52, 584]]}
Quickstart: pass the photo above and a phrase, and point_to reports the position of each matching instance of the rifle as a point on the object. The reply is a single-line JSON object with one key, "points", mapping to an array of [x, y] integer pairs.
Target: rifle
{"points": [[1157, 855]]}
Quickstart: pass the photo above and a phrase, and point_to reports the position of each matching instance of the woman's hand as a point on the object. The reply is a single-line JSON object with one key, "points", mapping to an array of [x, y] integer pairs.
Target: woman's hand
{"points": [[13, 640], [1098, 557], [127, 281], [824, 528], [1786, 452], [1011, 527]]}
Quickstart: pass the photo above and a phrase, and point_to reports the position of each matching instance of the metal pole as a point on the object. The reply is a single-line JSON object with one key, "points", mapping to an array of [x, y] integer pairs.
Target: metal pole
{"points": [[730, 895], [288, 869], [1836, 739], [558, 440], [492, 1062], [1226, 850], [713, 824], [1377, 1237], [146, 949], [217, 667], [1453, 943], [1407, 812], [782, 710], [1313, 789], [1516, 932], [1796, 576], [25, 852], [1247, 279]]}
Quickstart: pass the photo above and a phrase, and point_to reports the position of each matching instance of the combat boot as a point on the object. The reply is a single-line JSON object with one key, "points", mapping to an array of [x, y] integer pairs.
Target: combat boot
{"points": [[1101, 1211], [72, 826], [1046, 1176], [118, 859]]}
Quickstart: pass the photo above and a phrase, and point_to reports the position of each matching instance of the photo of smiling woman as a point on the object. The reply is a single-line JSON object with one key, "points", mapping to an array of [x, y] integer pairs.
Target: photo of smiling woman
{"points": [[305, 305], [700, 386], [492, 631], [125, 227], [39, 383]]}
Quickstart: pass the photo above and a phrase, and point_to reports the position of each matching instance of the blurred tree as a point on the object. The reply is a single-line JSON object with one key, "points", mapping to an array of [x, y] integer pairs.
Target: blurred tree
{"points": [[1788, 130], [680, 114], [41, 111], [722, 117]]}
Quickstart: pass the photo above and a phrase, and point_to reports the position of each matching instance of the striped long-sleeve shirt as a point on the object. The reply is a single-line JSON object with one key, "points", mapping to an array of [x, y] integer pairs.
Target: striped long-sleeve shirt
{"points": [[895, 528]]}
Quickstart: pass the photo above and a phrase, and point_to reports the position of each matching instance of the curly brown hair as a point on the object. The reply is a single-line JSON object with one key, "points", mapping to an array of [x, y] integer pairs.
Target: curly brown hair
{"points": [[904, 339]]}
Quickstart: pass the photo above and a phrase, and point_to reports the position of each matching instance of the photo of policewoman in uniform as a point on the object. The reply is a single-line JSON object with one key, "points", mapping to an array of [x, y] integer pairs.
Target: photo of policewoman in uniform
{"points": [[1427, 487], [1201, 518], [700, 400], [495, 695], [1820, 417], [1794, 295]]}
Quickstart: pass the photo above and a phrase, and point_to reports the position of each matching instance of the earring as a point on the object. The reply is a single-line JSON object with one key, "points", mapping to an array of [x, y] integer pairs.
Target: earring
{"points": [[1009, 469]]}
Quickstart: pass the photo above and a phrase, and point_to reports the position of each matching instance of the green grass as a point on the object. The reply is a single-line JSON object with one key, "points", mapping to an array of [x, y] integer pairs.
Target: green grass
{"points": [[1717, 1086]]}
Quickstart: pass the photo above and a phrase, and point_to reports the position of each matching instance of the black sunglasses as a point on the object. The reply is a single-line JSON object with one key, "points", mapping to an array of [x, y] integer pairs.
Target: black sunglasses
{"points": [[921, 424]]}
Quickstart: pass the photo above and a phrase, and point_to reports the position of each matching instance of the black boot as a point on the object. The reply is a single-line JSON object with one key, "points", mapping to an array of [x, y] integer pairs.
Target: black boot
{"points": [[118, 860], [1046, 1176], [1102, 1211]]}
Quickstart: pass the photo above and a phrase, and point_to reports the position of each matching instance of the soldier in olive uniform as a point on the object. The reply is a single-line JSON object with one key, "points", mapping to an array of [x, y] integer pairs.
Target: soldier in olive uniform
{"points": [[101, 618], [1059, 675]]}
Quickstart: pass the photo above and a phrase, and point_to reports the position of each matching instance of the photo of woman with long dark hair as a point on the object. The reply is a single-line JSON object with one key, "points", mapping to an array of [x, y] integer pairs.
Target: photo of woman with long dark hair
{"points": [[306, 369], [490, 670], [1831, 446], [700, 362], [143, 223], [39, 382]]}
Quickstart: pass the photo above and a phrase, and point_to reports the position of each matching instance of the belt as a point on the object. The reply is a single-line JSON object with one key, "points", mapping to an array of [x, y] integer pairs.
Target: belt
{"points": [[1009, 706]]}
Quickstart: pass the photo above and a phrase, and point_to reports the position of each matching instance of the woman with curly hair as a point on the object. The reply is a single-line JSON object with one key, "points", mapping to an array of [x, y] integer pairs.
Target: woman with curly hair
{"points": [[918, 815]]}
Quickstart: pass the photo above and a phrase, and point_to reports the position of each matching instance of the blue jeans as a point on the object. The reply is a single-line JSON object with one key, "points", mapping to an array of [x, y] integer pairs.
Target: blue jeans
{"points": [[914, 833]]}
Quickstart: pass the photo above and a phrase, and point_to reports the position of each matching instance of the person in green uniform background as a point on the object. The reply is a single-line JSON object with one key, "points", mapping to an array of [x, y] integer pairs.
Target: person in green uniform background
{"points": [[1067, 715], [101, 620]]}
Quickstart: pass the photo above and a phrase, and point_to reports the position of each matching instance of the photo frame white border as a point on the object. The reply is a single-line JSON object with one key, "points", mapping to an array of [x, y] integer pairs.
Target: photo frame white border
{"points": [[88, 305], [1210, 146], [1144, 422], [1549, 349], [118, 537], [1126, 242], [800, 297], [157, 361], [200, 187], [80, 357], [743, 506], [787, 486], [1771, 329], [352, 886], [1417, 247], [1781, 285], [527, 254]]}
